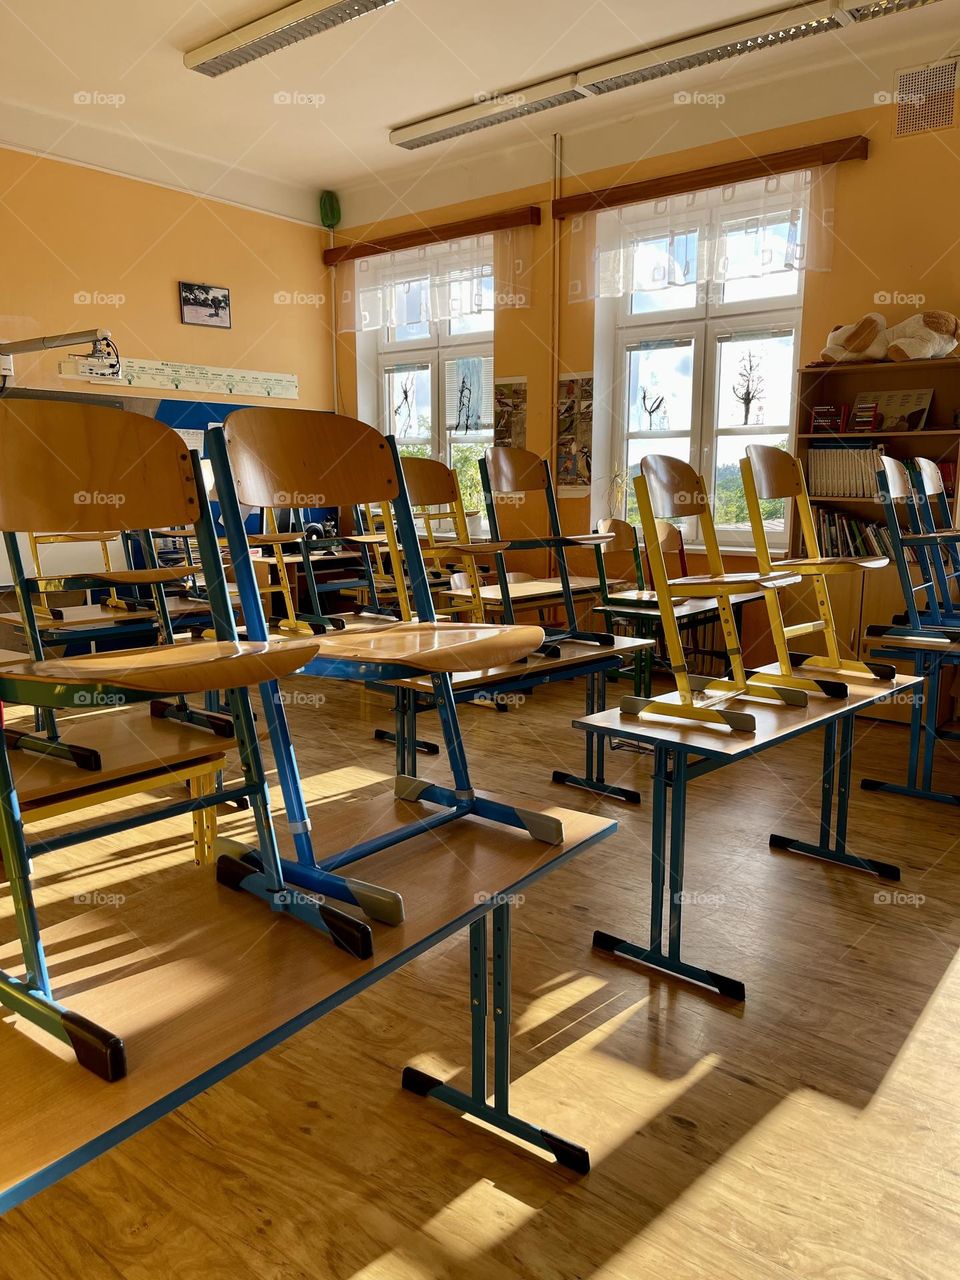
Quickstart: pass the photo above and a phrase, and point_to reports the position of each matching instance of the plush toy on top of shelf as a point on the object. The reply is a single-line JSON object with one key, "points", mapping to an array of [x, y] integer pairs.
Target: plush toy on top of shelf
{"points": [[925, 336]]}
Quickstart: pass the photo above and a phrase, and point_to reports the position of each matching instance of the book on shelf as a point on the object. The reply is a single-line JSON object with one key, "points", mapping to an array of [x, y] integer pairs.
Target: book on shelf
{"points": [[829, 418], [843, 534], [843, 470]]}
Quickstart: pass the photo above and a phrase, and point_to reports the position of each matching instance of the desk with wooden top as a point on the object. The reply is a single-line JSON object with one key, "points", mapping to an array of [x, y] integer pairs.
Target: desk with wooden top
{"points": [[682, 753], [566, 660], [537, 593], [183, 1037], [85, 626]]}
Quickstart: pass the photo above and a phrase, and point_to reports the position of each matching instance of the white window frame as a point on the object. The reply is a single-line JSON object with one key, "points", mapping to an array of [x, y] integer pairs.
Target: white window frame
{"points": [[705, 322]]}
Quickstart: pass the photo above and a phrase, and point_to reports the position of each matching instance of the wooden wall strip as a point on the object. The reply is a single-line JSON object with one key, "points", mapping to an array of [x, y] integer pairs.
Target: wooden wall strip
{"points": [[718, 175], [527, 216]]}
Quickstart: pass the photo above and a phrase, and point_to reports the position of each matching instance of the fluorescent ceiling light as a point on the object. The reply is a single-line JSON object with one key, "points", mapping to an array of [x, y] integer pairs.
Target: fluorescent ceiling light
{"points": [[767, 31], [779, 26], [276, 31], [489, 109]]}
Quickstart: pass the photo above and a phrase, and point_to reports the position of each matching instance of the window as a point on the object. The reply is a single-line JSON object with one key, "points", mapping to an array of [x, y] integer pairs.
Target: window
{"points": [[703, 297], [434, 353]]}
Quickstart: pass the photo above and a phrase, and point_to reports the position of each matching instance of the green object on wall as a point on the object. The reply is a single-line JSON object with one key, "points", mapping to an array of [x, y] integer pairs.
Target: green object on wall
{"points": [[329, 209]]}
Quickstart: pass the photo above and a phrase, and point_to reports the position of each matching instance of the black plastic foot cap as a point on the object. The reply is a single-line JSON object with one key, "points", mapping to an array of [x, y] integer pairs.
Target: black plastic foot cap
{"points": [[350, 935], [568, 1154], [729, 988], [606, 941], [418, 1082], [231, 872], [98, 1050]]}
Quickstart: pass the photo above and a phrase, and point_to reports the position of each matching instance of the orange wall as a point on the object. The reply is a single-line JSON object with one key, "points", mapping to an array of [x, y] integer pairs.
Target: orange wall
{"points": [[66, 230]]}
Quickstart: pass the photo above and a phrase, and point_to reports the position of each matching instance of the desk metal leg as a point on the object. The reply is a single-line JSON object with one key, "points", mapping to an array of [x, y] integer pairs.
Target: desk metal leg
{"points": [[834, 808], [475, 1103], [923, 737], [403, 698], [593, 776], [669, 773]]}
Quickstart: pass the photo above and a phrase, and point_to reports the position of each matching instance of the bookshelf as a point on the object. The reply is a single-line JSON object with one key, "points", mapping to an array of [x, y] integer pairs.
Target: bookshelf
{"points": [[853, 517]]}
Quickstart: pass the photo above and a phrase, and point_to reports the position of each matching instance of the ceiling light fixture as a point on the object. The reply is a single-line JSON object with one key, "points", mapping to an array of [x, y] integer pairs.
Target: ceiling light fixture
{"points": [[764, 31], [276, 31], [489, 109]]}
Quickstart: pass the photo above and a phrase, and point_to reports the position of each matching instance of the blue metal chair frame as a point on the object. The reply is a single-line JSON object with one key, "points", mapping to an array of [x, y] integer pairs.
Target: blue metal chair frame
{"points": [[460, 801], [929, 534], [32, 995]]}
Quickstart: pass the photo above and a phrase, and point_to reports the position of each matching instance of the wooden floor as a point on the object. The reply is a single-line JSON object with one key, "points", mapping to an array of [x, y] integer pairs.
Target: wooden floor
{"points": [[811, 1133]]}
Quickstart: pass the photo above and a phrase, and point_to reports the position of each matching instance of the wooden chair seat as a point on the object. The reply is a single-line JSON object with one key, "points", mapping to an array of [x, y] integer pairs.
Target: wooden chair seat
{"points": [[194, 667], [727, 584], [97, 536], [433, 647], [814, 565], [274, 539]]}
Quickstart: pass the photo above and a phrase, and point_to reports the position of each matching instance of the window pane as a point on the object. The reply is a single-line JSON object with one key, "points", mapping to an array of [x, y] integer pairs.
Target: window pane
{"points": [[660, 385], [729, 503], [673, 447], [754, 379], [468, 394], [664, 272], [471, 306], [464, 457], [758, 258], [411, 310], [409, 406]]}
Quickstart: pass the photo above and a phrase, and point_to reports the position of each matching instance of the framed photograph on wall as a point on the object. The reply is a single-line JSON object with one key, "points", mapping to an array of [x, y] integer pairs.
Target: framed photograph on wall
{"points": [[206, 304]]}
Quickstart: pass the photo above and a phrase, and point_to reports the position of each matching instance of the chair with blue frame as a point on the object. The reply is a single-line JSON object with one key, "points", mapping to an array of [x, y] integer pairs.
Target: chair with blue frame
{"points": [[155, 482], [518, 476], [670, 489], [928, 633], [263, 453]]}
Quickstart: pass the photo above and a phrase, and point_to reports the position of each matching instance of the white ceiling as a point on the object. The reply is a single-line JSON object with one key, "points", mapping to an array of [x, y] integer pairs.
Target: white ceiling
{"points": [[228, 137]]}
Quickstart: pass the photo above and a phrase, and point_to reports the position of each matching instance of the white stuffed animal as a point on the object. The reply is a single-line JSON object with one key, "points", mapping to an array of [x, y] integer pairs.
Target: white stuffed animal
{"points": [[864, 340], [923, 337]]}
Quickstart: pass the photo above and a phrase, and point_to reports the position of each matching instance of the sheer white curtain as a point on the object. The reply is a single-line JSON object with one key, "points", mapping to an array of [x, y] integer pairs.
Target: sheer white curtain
{"points": [[711, 242]]}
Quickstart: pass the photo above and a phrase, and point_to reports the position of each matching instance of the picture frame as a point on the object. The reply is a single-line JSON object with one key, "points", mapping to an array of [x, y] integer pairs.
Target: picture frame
{"points": [[207, 305]]}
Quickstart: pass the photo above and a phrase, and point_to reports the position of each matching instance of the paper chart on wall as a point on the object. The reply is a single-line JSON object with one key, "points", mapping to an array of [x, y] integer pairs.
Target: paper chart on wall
{"points": [[575, 430], [170, 375], [510, 413]]}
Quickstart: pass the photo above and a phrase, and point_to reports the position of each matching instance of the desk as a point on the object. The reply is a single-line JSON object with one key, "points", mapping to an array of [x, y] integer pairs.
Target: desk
{"points": [[184, 1036], [575, 659], [681, 754], [538, 593], [84, 626]]}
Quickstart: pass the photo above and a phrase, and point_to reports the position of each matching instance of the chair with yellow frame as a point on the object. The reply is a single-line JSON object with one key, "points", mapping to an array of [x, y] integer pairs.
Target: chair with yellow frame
{"points": [[771, 474], [669, 489]]}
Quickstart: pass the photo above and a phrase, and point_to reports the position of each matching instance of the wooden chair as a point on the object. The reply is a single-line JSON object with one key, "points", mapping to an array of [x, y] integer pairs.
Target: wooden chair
{"points": [[669, 489], [153, 482], [933, 509], [436, 499], [261, 453], [772, 474], [516, 476]]}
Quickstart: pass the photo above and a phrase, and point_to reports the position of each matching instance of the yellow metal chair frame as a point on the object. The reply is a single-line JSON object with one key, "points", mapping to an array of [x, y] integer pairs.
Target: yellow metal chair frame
{"points": [[667, 488], [771, 473]]}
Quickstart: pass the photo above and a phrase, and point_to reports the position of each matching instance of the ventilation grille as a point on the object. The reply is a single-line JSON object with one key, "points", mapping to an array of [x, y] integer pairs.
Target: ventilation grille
{"points": [[515, 111], [926, 99]]}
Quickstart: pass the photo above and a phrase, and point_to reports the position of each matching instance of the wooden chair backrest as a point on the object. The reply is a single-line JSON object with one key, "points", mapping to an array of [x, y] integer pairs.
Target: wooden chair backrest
{"points": [[675, 488], [308, 458], [430, 483], [624, 535], [515, 470], [776, 473], [930, 476], [898, 478], [74, 467]]}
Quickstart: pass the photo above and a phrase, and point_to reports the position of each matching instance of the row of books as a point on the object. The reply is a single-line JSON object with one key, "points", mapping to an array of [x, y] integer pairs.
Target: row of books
{"points": [[843, 470], [841, 534]]}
